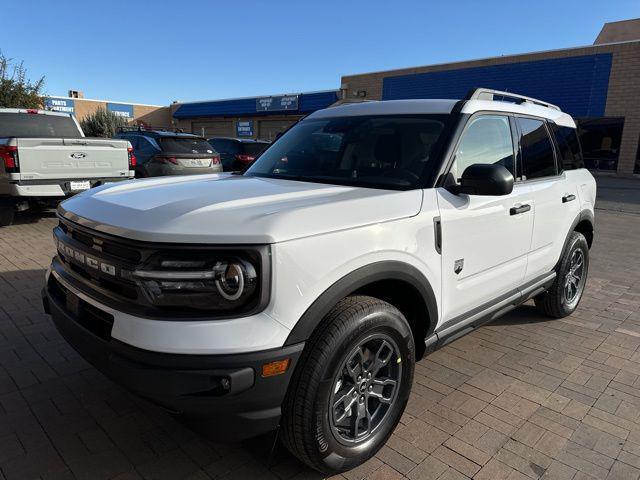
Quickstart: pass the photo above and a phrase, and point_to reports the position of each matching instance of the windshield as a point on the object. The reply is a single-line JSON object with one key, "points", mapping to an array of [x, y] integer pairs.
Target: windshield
{"points": [[33, 125], [185, 145], [392, 152]]}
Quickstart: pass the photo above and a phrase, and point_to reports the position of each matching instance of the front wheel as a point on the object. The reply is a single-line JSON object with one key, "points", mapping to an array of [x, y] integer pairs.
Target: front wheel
{"points": [[351, 386], [563, 296]]}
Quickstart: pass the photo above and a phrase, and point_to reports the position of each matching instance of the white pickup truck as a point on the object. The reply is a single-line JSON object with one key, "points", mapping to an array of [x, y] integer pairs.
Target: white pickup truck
{"points": [[45, 157]]}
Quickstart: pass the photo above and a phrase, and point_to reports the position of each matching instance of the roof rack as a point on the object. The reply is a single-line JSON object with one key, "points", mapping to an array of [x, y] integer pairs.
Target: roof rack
{"points": [[147, 128], [490, 94]]}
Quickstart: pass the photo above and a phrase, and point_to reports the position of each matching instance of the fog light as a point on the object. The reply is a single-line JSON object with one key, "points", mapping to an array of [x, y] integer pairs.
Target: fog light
{"points": [[275, 368]]}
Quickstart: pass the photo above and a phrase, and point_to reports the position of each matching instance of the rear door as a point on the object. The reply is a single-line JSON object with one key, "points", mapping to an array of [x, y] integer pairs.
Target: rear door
{"points": [[485, 239], [555, 198]]}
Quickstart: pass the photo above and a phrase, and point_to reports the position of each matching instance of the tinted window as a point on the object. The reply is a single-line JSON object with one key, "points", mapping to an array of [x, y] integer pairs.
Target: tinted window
{"points": [[185, 145], [255, 149], [225, 145], [391, 152], [37, 126], [537, 150], [569, 146], [487, 140], [146, 148]]}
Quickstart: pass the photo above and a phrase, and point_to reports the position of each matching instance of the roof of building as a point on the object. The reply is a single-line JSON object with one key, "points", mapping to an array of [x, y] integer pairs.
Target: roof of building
{"points": [[248, 106], [622, 31]]}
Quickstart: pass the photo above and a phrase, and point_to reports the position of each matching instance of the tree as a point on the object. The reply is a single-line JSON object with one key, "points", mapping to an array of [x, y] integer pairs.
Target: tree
{"points": [[102, 123], [16, 90]]}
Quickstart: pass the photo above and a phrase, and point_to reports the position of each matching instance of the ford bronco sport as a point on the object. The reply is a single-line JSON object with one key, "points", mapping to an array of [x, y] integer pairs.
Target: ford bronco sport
{"points": [[299, 294]]}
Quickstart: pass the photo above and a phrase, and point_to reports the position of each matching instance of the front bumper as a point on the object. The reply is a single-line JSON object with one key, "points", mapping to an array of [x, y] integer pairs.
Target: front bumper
{"points": [[226, 394]]}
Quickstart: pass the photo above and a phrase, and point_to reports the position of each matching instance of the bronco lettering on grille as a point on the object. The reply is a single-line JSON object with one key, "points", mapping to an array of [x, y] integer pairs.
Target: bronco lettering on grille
{"points": [[83, 259]]}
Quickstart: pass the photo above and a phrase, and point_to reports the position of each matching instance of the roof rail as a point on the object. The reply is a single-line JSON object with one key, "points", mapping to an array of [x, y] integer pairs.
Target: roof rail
{"points": [[147, 128], [490, 94]]}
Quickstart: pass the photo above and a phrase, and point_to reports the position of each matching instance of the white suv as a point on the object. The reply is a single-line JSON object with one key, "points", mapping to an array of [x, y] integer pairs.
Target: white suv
{"points": [[300, 293]]}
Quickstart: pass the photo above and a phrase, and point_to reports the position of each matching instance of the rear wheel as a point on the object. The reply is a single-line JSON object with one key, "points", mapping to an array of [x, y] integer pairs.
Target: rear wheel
{"points": [[7, 213], [351, 386], [564, 295]]}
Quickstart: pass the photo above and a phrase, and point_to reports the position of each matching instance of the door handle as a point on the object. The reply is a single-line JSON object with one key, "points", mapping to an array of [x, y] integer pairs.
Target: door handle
{"points": [[519, 209], [568, 198]]}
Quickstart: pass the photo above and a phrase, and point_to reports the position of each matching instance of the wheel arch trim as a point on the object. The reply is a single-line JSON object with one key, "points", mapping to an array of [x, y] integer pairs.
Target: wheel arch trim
{"points": [[583, 216], [361, 277]]}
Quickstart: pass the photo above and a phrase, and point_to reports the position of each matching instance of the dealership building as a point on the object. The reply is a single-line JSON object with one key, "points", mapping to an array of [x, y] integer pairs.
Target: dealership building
{"points": [[599, 85], [76, 104]]}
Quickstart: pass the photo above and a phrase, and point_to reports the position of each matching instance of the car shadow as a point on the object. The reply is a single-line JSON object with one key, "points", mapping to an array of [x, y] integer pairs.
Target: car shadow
{"points": [[524, 314], [33, 216]]}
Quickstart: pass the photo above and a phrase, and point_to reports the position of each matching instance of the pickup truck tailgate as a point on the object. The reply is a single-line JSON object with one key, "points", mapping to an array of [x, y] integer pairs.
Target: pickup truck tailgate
{"points": [[72, 158]]}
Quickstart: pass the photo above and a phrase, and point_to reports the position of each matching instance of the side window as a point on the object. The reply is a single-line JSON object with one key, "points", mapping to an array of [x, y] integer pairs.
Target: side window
{"points": [[569, 146], [537, 150], [487, 139]]}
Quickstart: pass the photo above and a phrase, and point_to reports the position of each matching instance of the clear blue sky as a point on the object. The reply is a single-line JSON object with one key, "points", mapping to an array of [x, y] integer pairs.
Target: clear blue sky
{"points": [[158, 51]]}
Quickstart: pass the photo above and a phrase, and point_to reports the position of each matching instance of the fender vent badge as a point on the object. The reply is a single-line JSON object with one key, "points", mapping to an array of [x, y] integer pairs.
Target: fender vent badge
{"points": [[458, 266]]}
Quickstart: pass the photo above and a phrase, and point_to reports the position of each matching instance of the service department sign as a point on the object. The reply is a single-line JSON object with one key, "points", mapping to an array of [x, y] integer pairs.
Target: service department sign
{"points": [[277, 104], [121, 109], [244, 128]]}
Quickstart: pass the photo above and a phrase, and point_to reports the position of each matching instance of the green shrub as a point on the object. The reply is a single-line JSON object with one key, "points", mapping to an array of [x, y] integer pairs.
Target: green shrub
{"points": [[102, 123], [16, 90]]}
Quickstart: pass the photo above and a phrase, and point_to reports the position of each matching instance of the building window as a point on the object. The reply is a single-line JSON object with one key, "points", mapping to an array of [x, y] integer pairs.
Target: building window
{"points": [[600, 139]]}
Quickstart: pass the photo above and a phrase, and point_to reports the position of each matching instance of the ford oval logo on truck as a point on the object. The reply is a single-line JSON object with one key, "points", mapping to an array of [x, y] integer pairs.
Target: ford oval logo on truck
{"points": [[78, 155]]}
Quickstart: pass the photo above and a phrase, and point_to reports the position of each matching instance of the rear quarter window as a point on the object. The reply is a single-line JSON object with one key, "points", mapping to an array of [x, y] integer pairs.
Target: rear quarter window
{"points": [[569, 147]]}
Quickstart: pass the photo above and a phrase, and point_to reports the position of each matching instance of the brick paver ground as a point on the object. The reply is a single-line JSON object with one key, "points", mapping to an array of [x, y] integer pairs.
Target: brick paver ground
{"points": [[525, 397]]}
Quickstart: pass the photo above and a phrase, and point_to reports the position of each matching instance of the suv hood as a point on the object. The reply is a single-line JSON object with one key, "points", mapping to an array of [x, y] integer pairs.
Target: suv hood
{"points": [[233, 209]]}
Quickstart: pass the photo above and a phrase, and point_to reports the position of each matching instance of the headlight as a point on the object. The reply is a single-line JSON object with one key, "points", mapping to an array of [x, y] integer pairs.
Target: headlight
{"points": [[202, 281]]}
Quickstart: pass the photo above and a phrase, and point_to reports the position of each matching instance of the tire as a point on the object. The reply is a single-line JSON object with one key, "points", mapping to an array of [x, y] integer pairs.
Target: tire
{"points": [[312, 429], [7, 213], [562, 299]]}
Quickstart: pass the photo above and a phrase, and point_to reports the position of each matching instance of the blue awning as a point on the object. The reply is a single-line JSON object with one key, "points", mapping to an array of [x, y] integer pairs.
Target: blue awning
{"points": [[307, 103]]}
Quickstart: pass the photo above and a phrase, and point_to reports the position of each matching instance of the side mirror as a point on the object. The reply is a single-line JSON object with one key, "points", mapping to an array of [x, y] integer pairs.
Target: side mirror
{"points": [[485, 179]]}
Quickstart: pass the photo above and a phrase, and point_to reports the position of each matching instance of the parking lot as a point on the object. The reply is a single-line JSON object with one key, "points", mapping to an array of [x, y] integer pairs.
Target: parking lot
{"points": [[524, 397]]}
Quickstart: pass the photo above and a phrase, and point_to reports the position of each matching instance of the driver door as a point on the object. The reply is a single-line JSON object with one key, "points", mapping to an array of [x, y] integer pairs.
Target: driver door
{"points": [[485, 239]]}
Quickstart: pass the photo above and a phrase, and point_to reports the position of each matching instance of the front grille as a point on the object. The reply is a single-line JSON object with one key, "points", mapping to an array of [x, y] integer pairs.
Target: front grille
{"points": [[104, 284], [108, 278]]}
